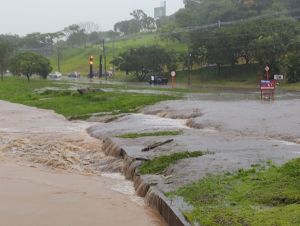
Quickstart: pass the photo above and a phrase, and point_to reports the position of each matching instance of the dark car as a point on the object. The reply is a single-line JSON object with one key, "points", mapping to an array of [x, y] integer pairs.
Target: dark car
{"points": [[158, 80], [74, 75]]}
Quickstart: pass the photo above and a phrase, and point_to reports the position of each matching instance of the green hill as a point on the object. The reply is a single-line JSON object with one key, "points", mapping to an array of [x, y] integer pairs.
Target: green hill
{"points": [[76, 59]]}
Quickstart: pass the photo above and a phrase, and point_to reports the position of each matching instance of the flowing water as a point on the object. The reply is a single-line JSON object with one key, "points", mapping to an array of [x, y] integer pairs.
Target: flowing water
{"points": [[53, 173]]}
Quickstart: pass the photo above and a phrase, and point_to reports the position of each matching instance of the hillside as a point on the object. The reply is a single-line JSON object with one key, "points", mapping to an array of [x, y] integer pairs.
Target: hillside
{"points": [[76, 59]]}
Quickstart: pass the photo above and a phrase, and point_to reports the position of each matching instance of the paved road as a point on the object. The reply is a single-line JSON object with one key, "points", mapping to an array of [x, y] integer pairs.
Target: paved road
{"points": [[44, 163]]}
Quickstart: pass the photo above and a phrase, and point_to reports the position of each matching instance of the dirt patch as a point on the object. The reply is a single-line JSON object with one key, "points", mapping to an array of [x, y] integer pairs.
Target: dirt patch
{"points": [[204, 126], [77, 152]]}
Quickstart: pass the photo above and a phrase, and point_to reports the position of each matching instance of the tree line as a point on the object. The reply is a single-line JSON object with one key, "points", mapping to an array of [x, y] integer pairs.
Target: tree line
{"points": [[229, 32]]}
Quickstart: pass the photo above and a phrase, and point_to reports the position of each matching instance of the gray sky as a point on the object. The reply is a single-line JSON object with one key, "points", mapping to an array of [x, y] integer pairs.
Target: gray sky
{"points": [[27, 16]]}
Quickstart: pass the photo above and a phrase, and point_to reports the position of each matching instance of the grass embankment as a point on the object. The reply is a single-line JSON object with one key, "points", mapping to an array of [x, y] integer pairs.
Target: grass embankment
{"points": [[150, 134], [254, 197], [159, 164], [76, 59], [238, 76], [71, 103]]}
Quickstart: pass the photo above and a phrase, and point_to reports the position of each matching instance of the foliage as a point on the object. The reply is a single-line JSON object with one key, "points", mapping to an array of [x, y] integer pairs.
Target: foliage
{"points": [[140, 22], [6, 50], [291, 62], [257, 196], [150, 134], [292, 67], [29, 63], [159, 164], [144, 60], [229, 32]]}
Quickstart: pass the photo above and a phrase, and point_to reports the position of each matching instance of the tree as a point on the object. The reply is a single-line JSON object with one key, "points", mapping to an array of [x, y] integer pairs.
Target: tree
{"points": [[29, 63], [75, 35], [144, 60], [6, 50], [127, 27], [140, 22], [144, 22], [291, 62], [269, 47]]}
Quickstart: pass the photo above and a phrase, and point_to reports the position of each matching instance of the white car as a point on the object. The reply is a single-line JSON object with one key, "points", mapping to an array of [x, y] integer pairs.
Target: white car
{"points": [[55, 75]]}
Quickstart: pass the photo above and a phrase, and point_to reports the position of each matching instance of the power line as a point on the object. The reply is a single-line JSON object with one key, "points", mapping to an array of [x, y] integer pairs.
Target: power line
{"points": [[233, 22], [199, 2]]}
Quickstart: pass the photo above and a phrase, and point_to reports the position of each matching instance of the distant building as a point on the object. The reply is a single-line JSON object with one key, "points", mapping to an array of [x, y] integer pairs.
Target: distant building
{"points": [[161, 11]]}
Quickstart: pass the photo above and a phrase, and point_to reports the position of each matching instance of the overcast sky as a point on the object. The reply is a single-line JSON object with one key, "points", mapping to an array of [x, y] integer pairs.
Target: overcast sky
{"points": [[26, 16]]}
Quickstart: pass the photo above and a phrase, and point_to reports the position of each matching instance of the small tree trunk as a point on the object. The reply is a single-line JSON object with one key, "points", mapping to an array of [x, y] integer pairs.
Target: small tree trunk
{"points": [[219, 69], [2, 73], [28, 78]]}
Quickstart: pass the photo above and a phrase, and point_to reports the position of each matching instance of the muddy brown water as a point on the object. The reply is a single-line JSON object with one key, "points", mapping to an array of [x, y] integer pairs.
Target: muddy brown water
{"points": [[51, 173]]}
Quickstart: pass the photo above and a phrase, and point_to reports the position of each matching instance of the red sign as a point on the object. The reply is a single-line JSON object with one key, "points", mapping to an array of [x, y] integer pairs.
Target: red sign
{"points": [[267, 85]]}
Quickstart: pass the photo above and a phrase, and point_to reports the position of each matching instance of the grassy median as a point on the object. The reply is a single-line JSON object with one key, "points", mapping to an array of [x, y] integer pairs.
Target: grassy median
{"points": [[159, 164], [254, 197], [70, 103], [151, 134]]}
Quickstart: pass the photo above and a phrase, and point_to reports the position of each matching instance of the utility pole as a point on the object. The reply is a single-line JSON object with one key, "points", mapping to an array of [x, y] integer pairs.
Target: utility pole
{"points": [[58, 59], [100, 65], [113, 52], [104, 55], [189, 68]]}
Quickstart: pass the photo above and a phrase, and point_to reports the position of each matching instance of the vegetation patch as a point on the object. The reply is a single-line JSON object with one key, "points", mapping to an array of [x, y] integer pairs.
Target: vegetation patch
{"points": [[160, 164], [70, 103], [258, 196], [150, 134]]}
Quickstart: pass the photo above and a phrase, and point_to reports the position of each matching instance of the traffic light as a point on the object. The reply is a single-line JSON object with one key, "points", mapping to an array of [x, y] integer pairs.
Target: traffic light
{"points": [[91, 66], [91, 60]]}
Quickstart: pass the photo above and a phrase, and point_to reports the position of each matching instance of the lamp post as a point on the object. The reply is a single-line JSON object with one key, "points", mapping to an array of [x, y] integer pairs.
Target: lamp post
{"points": [[189, 68]]}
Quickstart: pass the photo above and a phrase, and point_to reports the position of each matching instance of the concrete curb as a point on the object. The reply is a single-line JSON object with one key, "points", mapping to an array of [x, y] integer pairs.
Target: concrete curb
{"points": [[153, 197]]}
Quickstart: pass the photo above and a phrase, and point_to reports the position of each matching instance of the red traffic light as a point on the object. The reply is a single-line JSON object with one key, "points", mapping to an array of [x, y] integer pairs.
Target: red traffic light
{"points": [[91, 60]]}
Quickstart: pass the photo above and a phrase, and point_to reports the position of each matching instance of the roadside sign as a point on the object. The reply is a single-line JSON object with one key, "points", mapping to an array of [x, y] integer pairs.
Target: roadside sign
{"points": [[173, 75], [267, 68], [278, 77], [267, 89], [267, 85]]}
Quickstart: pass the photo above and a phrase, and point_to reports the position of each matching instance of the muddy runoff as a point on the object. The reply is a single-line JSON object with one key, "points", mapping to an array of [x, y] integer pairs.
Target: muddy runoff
{"points": [[54, 173], [237, 135]]}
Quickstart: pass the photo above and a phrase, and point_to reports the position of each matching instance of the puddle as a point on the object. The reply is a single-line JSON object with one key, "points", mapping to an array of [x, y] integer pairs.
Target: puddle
{"points": [[157, 121], [287, 143]]}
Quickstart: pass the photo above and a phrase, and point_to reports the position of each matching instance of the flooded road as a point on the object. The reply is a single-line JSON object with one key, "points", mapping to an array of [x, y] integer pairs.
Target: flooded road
{"points": [[31, 196], [51, 173], [237, 133]]}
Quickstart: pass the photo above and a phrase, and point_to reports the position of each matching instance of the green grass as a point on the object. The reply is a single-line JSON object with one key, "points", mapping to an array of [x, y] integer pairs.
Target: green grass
{"points": [[150, 134], [238, 76], [254, 197], [76, 59], [159, 164], [71, 103]]}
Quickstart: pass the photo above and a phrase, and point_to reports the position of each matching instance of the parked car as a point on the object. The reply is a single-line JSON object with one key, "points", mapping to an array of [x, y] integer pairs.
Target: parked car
{"points": [[95, 74], [74, 74], [55, 75], [158, 80]]}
